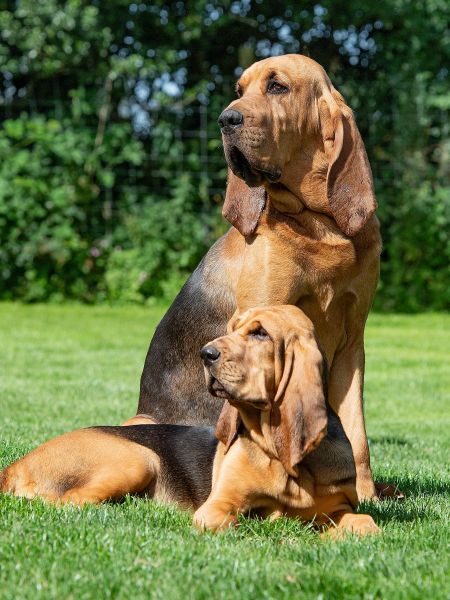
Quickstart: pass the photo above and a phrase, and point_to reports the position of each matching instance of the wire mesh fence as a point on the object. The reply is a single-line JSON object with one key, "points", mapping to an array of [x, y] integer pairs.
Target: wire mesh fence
{"points": [[176, 140], [179, 139]]}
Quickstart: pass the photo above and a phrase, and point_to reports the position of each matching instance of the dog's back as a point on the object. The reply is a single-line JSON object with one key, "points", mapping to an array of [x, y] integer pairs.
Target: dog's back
{"points": [[167, 462], [186, 458]]}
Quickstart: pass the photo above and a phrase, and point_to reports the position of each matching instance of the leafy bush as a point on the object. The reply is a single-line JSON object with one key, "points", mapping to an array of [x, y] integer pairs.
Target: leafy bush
{"points": [[51, 216], [105, 105], [415, 270], [157, 244]]}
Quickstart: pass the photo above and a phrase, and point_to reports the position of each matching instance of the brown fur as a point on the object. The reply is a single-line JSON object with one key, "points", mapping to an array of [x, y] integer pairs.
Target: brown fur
{"points": [[272, 458], [281, 451], [83, 466], [168, 463], [317, 244], [307, 236]]}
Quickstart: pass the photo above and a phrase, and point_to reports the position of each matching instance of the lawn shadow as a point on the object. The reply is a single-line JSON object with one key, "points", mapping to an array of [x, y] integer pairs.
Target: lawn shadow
{"points": [[414, 487], [389, 439], [419, 503]]}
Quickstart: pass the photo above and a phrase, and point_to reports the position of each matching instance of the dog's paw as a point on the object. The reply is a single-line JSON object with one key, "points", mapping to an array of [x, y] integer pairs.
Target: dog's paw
{"points": [[355, 524], [350, 523], [208, 518]]}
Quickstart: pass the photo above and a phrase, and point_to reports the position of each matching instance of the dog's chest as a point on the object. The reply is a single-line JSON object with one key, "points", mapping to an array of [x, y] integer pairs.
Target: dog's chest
{"points": [[299, 493]]}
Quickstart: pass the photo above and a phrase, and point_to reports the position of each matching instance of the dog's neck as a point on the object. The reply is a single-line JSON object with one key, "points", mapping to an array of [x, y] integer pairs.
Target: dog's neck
{"points": [[284, 200], [314, 225], [303, 184], [312, 214], [257, 424]]}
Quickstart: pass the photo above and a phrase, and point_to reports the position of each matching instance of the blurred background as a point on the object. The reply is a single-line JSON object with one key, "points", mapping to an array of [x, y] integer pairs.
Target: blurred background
{"points": [[111, 168]]}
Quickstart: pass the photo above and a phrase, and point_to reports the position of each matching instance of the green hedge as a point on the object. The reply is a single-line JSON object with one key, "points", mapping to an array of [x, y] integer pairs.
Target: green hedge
{"points": [[111, 170]]}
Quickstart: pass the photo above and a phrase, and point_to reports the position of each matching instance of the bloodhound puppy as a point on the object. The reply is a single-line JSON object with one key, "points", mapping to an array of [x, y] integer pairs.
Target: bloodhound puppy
{"points": [[301, 201], [281, 449]]}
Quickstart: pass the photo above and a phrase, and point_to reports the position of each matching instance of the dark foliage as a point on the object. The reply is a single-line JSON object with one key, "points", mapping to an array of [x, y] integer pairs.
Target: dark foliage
{"points": [[111, 169]]}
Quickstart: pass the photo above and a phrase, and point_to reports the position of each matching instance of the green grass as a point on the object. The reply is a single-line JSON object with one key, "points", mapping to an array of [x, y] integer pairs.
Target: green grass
{"points": [[71, 366]]}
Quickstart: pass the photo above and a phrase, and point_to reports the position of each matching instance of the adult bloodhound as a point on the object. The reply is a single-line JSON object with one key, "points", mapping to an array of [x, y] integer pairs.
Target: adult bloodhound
{"points": [[281, 451], [301, 200]]}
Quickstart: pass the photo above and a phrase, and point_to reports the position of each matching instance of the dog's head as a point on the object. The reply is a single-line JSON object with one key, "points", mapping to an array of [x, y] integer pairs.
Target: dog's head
{"points": [[270, 361], [291, 134]]}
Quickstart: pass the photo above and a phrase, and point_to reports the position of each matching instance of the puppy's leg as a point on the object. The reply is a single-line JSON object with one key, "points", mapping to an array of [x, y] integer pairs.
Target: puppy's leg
{"points": [[228, 494], [224, 504], [133, 473], [216, 514], [83, 466], [238, 485]]}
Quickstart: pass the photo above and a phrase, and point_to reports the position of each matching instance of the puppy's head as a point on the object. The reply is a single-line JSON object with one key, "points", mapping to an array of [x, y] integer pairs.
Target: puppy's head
{"points": [[270, 361]]}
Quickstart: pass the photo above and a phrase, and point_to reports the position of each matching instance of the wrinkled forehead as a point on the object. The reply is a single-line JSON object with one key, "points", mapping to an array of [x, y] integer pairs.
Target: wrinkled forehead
{"points": [[289, 69], [242, 323], [278, 321]]}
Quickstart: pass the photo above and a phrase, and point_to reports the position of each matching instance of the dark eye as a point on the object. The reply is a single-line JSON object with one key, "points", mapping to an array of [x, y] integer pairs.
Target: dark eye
{"points": [[273, 87], [260, 334], [239, 91]]}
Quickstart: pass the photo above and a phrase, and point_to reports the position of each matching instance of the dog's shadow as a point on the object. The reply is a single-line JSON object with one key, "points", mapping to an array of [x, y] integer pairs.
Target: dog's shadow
{"points": [[389, 439], [424, 499]]}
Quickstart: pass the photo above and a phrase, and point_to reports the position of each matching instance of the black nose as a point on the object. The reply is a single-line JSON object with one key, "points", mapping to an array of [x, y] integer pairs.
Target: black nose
{"points": [[209, 354], [230, 119]]}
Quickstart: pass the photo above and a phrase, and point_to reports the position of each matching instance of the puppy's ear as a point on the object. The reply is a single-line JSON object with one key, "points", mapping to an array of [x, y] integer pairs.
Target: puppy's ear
{"points": [[228, 425], [243, 205], [299, 417], [349, 180]]}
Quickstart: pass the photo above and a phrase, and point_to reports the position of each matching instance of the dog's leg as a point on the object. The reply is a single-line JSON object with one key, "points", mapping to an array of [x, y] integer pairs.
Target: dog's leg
{"points": [[232, 480], [215, 515], [115, 480], [346, 398], [239, 484], [228, 497]]}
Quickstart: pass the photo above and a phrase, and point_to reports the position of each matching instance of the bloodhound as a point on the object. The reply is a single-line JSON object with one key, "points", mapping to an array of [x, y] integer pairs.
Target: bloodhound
{"points": [[281, 450], [301, 200]]}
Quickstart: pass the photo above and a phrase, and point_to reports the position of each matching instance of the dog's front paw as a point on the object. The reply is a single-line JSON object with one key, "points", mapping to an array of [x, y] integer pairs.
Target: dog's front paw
{"points": [[213, 519], [357, 524]]}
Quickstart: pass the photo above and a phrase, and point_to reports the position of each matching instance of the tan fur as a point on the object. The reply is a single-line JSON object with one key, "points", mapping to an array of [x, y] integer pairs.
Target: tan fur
{"points": [[316, 243], [273, 455], [139, 420], [253, 470], [247, 479], [83, 466]]}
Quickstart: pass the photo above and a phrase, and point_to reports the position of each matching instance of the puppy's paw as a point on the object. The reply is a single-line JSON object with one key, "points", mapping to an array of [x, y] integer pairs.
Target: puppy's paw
{"points": [[355, 524], [209, 518]]}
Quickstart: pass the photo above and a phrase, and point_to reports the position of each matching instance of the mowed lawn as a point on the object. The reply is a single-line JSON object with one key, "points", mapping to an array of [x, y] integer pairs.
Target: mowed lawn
{"points": [[63, 367]]}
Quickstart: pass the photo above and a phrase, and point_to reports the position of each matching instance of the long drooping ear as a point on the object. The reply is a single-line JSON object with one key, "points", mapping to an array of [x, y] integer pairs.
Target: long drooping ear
{"points": [[228, 425], [243, 205], [299, 416], [349, 180]]}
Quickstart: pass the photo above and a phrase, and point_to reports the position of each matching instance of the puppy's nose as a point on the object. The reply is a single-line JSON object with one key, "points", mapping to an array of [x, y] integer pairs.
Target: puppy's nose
{"points": [[209, 354], [230, 119]]}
